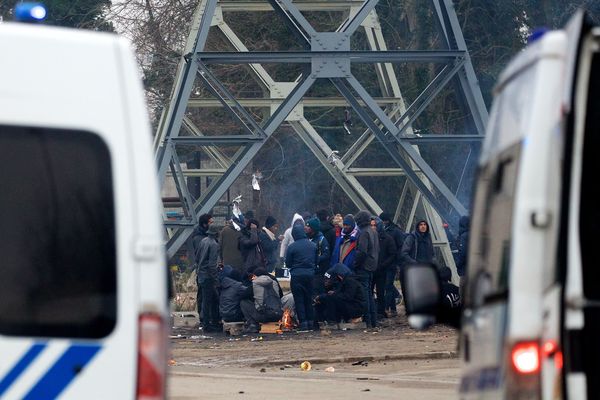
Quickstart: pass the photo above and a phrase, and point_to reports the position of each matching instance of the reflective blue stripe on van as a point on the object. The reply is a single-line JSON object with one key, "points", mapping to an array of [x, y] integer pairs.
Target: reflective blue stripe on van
{"points": [[481, 380], [64, 370], [21, 366]]}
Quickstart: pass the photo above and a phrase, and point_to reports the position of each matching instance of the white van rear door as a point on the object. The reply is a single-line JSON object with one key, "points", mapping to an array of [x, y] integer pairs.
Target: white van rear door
{"points": [[581, 296], [69, 309]]}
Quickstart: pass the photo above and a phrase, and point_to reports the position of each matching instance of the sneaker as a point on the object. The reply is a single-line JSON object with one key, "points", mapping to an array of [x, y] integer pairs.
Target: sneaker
{"points": [[304, 327]]}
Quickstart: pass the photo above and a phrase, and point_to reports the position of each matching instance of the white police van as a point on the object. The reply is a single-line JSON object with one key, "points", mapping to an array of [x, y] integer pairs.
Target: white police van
{"points": [[83, 295], [531, 320]]}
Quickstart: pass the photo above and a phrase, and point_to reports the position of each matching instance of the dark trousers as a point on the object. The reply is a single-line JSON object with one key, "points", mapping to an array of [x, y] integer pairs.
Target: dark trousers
{"points": [[237, 317], [199, 300], [318, 284], [365, 278], [210, 302], [378, 284], [302, 290], [391, 293], [250, 314], [333, 309]]}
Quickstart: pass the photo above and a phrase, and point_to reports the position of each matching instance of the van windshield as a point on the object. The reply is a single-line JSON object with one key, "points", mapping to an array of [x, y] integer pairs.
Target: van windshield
{"points": [[58, 268]]}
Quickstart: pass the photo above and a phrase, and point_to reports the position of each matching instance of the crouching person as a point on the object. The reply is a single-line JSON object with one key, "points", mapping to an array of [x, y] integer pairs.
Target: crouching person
{"points": [[345, 298], [451, 301], [266, 306], [232, 293]]}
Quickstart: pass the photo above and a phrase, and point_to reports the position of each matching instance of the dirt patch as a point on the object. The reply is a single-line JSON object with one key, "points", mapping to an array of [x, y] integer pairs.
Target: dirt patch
{"points": [[395, 341]]}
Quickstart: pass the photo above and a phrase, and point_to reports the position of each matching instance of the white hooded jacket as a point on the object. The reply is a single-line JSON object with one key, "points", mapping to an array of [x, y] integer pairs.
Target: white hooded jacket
{"points": [[287, 236]]}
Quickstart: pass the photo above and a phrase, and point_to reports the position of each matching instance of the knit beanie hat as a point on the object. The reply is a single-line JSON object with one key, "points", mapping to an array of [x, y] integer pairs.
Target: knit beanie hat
{"points": [[314, 224], [270, 221], [349, 220], [212, 230]]}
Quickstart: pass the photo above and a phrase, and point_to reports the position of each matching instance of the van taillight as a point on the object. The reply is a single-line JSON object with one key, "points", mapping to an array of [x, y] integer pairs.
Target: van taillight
{"points": [[151, 358], [550, 349], [525, 357]]}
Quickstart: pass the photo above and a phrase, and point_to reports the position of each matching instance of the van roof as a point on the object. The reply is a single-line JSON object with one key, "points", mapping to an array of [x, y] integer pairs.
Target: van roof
{"points": [[514, 93], [548, 46]]}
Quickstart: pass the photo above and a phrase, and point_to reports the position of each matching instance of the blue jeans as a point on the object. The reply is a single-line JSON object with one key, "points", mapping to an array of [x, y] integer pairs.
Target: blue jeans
{"points": [[302, 290], [365, 278]]}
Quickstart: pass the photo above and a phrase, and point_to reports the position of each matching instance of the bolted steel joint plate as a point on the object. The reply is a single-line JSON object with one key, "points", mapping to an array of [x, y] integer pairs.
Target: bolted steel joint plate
{"points": [[330, 66]]}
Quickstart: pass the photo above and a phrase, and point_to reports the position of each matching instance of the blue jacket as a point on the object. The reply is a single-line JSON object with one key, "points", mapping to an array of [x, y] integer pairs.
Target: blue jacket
{"points": [[301, 257], [348, 259], [323, 253]]}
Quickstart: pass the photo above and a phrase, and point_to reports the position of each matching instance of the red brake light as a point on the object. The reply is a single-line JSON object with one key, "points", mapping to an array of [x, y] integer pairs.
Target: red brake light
{"points": [[525, 357], [151, 358], [551, 350]]}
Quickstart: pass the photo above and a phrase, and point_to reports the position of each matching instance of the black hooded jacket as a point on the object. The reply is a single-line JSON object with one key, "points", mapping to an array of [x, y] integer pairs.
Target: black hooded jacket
{"points": [[367, 249], [328, 230], [232, 292], [252, 252], [398, 235], [418, 247], [301, 257], [348, 290], [388, 253]]}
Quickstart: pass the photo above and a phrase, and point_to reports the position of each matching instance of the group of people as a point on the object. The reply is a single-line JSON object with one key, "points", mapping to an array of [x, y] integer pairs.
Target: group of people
{"points": [[341, 268]]}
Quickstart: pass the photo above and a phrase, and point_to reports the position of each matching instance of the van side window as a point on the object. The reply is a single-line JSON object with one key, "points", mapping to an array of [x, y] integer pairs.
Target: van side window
{"points": [[58, 266], [492, 225]]}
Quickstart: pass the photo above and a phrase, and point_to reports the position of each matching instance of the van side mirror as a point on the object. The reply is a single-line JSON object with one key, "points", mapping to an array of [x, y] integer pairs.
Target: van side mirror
{"points": [[422, 294]]}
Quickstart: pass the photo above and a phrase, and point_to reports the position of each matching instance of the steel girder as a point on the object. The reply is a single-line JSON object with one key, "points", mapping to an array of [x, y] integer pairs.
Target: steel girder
{"points": [[392, 127]]}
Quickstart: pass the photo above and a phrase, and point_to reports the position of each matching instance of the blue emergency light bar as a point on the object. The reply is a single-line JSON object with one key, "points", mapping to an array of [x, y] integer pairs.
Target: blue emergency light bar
{"points": [[30, 12]]}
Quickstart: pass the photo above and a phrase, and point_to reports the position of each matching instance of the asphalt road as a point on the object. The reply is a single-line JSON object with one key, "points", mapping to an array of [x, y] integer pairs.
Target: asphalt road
{"points": [[411, 379]]}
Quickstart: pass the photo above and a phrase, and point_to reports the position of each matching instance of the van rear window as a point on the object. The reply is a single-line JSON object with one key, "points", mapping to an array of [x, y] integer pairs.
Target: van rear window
{"points": [[57, 234]]}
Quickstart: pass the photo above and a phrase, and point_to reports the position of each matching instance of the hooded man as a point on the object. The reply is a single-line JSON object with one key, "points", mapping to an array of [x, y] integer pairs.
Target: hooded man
{"points": [[249, 245], [208, 264], [450, 309], [418, 246], [323, 253], [463, 245], [266, 306], [326, 228], [287, 235], [204, 221], [229, 240], [269, 242], [301, 259], [232, 293], [344, 299], [365, 262], [385, 274], [345, 245], [395, 232]]}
